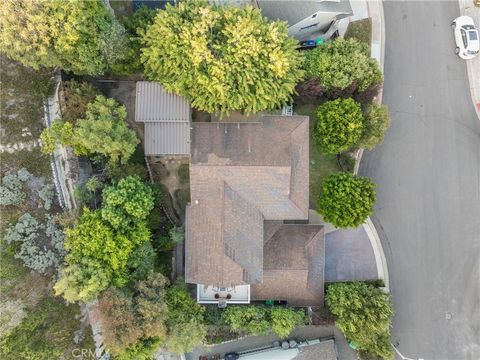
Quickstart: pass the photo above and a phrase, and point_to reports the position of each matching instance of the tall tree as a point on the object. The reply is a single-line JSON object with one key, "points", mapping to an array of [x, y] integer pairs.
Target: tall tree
{"points": [[222, 58], [364, 314], [104, 130], [72, 34]]}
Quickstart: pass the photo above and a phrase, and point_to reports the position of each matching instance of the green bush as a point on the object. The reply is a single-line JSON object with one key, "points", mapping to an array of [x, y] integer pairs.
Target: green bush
{"points": [[376, 124], [339, 125], [346, 200], [186, 327], [284, 320], [342, 67], [249, 319], [40, 246], [11, 190], [364, 314], [226, 58], [127, 202]]}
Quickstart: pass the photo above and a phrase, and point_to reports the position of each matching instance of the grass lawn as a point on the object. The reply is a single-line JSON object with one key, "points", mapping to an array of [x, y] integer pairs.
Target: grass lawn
{"points": [[321, 164], [360, 30]]}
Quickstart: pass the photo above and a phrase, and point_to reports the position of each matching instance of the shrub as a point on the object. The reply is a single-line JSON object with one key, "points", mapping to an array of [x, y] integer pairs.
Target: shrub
{"points": [[346, 200], [248, 319], [376, 124], [226, 58], [47, 194], [11, 190], [364, 315], [339, 125], [186, 328], [284, 320], [32, 237], [342, 67], [127, 202]]}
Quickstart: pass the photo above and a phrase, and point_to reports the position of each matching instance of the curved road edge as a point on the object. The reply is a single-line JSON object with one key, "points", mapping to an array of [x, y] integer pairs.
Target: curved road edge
{"points": [[473, 66], [375, 11]]}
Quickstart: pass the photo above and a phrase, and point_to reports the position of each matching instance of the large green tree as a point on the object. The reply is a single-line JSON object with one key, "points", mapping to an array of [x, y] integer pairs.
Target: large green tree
{"points": [[364, 315], [339, 125], [342, 67], [98, 256], [222, 58], [127, 202], [346, 200], [79, 36], [104, 130]]}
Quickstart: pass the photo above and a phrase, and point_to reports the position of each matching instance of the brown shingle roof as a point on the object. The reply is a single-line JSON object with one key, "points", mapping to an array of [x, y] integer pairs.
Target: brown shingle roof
{"points": [[241, 174], [293, 266]]}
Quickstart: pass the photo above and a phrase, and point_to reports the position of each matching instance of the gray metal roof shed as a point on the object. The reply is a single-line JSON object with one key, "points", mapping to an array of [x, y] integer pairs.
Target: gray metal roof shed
{"points": [[166, 117]]}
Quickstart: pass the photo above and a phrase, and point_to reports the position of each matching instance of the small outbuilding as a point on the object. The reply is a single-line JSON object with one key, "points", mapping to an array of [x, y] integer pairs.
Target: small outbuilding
{"points": [[166, 117]]}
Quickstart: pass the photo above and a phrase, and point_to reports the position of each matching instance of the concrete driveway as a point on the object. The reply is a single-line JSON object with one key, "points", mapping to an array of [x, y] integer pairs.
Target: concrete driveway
{"points": [[428, 176]]}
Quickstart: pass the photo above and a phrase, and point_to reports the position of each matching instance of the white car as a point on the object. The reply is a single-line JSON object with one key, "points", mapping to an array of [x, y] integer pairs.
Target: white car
{"points": [[466, 37]]}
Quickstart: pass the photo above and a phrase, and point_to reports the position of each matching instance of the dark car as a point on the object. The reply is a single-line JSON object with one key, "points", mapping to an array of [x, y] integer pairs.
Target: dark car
{"points": [[232, 356]]}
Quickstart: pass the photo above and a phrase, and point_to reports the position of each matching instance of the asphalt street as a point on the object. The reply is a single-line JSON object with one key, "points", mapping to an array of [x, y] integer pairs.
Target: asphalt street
{"points": [[428, 176]]}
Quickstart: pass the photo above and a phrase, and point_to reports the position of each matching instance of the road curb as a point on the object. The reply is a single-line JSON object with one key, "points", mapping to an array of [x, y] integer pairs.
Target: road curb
{"points": [[378, 29], [473, 66]]}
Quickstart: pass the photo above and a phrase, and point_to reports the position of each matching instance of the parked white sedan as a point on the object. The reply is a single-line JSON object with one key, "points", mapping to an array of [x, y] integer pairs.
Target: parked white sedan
{"points": [[466, 37]]}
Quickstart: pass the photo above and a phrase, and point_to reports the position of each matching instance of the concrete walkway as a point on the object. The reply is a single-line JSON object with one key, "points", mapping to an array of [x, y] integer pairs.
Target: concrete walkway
{"points": [[255, 342], [473, 66]]}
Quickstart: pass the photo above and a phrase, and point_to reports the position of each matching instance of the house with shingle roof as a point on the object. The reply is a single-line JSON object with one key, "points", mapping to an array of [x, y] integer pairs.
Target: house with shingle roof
{"points": [[249, 185], [246, 179]]}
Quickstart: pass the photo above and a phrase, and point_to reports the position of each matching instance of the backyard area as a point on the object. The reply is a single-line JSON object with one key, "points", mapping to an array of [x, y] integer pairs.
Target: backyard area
{"points": [[33, 323]]}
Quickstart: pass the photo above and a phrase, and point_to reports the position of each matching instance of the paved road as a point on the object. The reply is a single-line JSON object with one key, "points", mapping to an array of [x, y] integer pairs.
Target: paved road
{"points": [[428, 176]]}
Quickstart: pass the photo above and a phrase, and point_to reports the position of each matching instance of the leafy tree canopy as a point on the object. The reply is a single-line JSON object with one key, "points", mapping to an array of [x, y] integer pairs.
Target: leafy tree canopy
{"points": [[72, 34], [342, 64], [104, 131], [376, 124], [82, 281], [346, 200], [127, 202], [222, 58], [339, 125], [364, 315], [128, 321]]}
